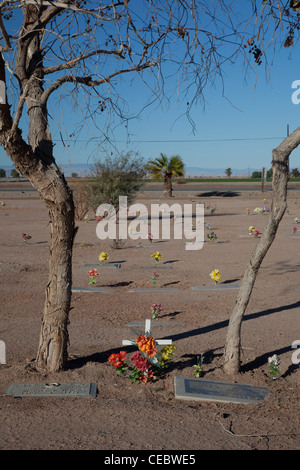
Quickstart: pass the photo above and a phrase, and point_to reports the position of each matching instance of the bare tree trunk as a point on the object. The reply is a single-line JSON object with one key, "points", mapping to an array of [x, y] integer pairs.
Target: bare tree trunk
{"points": [[280, 178], [35, 162], [52, 351]]}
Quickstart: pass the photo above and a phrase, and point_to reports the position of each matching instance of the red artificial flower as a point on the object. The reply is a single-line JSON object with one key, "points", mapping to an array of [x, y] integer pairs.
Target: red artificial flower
{"points": [[117, 360]]}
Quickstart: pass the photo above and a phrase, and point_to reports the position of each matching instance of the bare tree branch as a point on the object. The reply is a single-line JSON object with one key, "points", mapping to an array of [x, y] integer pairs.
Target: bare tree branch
{"points": [[87, 81]]}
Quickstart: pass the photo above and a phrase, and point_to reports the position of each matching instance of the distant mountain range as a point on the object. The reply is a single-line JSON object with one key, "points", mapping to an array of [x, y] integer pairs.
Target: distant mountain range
{"points": [[83, 169]]}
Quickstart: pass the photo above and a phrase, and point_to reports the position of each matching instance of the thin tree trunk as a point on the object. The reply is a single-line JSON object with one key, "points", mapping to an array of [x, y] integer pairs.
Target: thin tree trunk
{"points": [[280, 167]]}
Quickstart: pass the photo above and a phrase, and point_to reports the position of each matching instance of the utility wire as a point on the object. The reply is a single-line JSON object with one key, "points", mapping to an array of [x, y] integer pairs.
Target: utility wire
{"points": [[184, 140]]}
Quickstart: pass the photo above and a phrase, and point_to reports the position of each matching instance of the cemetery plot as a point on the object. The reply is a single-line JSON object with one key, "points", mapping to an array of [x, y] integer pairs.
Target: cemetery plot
{"points": [[108, 265], [155, 289], [217, 287], [156, 267], [91, 289], [213, 390], [80, 390]]}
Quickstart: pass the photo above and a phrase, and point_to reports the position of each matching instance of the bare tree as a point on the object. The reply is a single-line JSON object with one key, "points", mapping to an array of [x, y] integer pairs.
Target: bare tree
{"points": [[275, 21], [280, 167], [84, 48]]}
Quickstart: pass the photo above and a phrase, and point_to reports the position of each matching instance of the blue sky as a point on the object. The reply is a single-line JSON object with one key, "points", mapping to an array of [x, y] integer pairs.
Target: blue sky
{"points": [[238, 127]]}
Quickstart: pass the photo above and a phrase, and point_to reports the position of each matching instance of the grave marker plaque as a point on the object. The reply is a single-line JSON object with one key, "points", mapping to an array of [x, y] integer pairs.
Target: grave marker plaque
{"points": [[218, 287], [109, 265], [53, 389], [213, 390], [90, 289], [154, 289]]}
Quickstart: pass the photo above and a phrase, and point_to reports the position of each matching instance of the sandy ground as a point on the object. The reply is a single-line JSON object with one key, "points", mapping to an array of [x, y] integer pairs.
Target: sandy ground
{"points": [[147, 417]]}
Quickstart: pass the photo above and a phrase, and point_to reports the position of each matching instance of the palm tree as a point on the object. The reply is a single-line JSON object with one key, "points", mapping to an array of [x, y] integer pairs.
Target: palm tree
{"points": [[166, 167]]}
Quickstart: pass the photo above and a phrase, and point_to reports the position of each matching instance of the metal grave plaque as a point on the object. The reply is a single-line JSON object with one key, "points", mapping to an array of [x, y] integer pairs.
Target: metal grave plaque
{"points": [[156, 267], [158, 289], [109, 265], [90, 289], [218, 287], [53, 389], [213, 390]]}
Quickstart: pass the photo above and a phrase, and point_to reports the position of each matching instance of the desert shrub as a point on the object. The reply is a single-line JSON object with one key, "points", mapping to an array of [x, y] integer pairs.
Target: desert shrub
{"points": [[114, 177]]}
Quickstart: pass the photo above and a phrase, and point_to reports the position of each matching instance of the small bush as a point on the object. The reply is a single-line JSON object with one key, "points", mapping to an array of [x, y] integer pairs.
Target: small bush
{"points": [[119, 176]]}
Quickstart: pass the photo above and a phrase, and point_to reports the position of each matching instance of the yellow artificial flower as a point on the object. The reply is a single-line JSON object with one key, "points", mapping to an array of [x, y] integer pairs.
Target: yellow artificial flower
{"points": [[215, 275], [251, 229], [103, 257], [157, 256]]}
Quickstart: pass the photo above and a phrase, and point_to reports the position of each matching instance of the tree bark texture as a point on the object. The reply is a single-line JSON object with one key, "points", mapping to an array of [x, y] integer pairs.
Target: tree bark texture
{"points": [[168, 188], [280, 167]]}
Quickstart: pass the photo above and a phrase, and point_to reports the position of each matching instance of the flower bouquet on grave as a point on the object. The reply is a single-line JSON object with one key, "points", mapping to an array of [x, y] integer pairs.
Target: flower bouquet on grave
{"points": [[157, 256], [155, 310], [215, 275], [154, 278], [256, 234], [198, 367], [210, 208], [2, 203], [93, 274], [149, 236], [297, 221], [117, 244], [103, 257], [26, 237], [274, 366], [258, 210], [247, 211], [295, 229], [212, 236], [148, 361], [251, 230]]}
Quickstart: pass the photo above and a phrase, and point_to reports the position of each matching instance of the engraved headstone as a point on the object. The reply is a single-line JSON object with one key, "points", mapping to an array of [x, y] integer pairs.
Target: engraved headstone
{"points": [[54, 389], [213, 390]]}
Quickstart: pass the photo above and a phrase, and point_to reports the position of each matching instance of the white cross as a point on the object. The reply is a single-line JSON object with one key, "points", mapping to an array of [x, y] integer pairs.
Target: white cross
{"points": [[126, 342]]}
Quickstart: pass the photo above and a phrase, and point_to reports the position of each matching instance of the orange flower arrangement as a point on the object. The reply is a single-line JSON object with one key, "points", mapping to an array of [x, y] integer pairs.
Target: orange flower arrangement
{"points": [[146, 344], [117, 360]]}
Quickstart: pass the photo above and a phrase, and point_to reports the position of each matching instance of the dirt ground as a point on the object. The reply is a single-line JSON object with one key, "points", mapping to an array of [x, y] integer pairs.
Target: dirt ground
{"points": [[148, 417]]}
